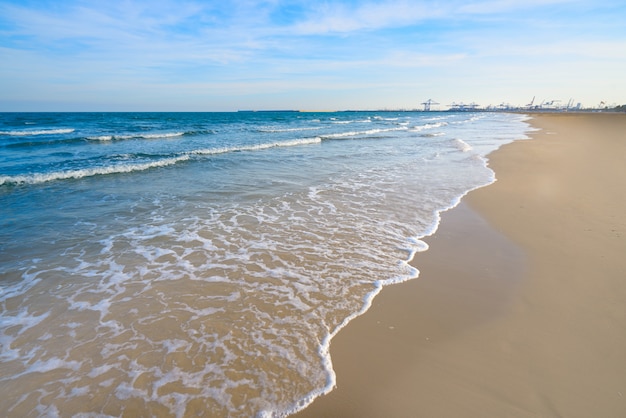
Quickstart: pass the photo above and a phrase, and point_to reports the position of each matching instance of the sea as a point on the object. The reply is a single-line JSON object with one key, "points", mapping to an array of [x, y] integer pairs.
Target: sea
{"points": [[199, 264]]}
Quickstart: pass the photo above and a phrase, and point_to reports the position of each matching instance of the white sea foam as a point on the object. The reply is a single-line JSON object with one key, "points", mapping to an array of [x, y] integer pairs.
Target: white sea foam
{"points": [[37, 132], [279, 130], [157, 135], [43, 366], [462, 145], [88, 172], [361, 133], [429, 126], [101, 138], [259, 147], [160, 135], [348, 122], [22, 321]]}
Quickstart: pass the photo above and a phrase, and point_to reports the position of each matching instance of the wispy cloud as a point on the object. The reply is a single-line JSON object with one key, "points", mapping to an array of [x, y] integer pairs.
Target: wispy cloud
{"points": [[342, 18], [288, 45], [490, 7]]}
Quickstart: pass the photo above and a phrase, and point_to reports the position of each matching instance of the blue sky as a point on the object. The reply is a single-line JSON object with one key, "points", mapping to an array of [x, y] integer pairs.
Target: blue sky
{"points": [[316, 55]]}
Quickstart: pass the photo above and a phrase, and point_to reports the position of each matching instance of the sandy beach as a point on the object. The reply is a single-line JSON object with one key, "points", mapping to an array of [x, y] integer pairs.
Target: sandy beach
{"points": [[520, 307]]}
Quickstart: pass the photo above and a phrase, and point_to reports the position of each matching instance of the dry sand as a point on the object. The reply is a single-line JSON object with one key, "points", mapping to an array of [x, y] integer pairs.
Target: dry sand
{"points": [[520, 307]]}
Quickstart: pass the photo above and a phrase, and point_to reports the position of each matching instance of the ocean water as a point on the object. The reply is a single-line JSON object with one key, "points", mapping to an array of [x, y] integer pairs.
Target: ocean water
{"points": [[199, 264]]}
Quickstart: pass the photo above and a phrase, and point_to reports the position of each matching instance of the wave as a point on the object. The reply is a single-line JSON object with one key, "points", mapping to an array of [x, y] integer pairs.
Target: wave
{"points": [[38, 132], [279, 130], [105, 138], [462, 145], [468, 120], [258, 147], [360, 133], [429, 126], [347, 122], [127, 168], [88, 172], [139, 136], [432, 135]]}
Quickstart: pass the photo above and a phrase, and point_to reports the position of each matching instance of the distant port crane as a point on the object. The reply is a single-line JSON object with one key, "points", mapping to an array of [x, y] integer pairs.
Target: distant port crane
{"points": [[428, 103]]}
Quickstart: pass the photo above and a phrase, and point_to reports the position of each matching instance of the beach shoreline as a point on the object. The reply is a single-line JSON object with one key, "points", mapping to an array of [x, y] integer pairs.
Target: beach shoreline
{"points": [[519, 308]]}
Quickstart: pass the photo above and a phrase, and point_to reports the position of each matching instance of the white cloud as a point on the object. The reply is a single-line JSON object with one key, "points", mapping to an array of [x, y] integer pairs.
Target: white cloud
{"points": [[254, 48], [339, 18], [507, 6]]}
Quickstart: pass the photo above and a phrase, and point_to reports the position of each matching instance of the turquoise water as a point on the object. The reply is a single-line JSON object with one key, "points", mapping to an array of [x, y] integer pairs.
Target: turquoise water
{"points": [[200, 263]]}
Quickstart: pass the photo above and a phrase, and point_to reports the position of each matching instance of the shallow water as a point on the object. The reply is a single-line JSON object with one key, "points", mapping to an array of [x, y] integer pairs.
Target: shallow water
{"points": [[180, 264]]}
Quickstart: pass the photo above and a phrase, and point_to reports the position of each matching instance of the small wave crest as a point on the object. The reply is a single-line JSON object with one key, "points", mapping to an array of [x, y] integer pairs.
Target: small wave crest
{"points": [[280, 130], [88, 172], [432, 135], [348, 122], [37, 132], [462, 145], [259, 147], [429, 126], [351, 134], [158, 135], [127, 168]]}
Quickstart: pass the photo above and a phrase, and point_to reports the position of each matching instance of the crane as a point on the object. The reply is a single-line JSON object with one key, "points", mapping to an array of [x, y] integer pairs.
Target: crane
{"points": [[429, 103]]}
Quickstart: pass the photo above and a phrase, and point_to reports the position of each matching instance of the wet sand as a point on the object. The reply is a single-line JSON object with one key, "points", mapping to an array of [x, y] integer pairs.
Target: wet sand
{"points": [[520, 307]]}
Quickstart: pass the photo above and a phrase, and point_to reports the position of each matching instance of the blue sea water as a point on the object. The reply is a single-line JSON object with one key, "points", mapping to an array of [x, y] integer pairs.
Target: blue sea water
{"points": [[178, 264]]}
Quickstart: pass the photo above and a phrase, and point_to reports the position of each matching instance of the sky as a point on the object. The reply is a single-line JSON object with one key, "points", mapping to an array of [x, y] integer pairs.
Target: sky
{"points": [[186, 55]]}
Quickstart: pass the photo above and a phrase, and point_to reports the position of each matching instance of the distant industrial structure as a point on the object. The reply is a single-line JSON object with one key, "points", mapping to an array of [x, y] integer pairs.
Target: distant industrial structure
{"points": [[428, 103], [462, 107], [554, 105]]}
